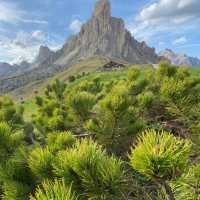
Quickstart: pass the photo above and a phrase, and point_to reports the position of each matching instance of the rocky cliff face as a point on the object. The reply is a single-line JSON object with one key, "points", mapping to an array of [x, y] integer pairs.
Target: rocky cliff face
{"points": [[44, 54], [106, 35], [180, 59], [102, 35]]}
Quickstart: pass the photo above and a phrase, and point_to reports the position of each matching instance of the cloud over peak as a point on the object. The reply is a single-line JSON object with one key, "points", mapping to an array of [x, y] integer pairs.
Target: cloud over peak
{"points": [[75, 26], [25, 45]]}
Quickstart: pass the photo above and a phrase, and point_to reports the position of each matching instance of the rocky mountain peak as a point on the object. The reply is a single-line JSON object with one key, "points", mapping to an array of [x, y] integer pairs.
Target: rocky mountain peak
{"points": [[102, 9], [44, 50], [105, 35], [180, 58], [44, 53], [102, 35]]}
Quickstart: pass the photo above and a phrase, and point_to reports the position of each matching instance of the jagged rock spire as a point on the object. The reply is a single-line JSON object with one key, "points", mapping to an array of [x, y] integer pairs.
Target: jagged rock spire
{"points": [[102, 8], [44, 53]]}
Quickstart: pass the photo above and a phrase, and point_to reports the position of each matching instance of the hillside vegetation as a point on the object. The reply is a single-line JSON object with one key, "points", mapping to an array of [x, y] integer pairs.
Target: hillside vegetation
{"points": [[132, 134], [83, 66]]}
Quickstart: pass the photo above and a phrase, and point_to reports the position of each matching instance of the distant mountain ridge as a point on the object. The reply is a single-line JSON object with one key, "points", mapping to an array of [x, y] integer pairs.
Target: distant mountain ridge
{"points": [[180, 59], [101, 35], [7, 69]]}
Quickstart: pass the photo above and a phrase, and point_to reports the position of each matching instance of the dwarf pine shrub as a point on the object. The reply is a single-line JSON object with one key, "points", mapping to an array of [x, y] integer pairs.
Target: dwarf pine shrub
{"points": [[56, 190], [93, 174], [161, 157]]}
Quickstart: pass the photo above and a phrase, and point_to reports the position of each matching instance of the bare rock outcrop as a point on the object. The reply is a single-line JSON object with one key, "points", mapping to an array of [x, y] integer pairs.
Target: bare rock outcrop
{"points": [[106, 35], [180, 59], [101, 35], [44, 54]]}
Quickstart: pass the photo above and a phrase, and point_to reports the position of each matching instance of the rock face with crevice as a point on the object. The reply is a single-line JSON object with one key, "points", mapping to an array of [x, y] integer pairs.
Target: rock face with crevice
{"points": [[44, 54], [106, 35], [101, 35]]}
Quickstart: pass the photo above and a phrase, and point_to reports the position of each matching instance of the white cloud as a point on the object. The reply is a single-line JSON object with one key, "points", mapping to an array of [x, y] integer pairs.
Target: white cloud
{"points": [[166, 16], [11, 13], [179, 41], [12, 52], [32, 21], [24, 46], [175, 11], [75, 26], [39, 35], [25, 39]]}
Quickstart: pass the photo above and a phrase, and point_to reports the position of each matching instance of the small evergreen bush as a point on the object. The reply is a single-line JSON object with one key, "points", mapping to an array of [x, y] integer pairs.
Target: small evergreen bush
{"points": [[56, 190], [94, 175], [60, 140], [161, 157], [40, 162]]}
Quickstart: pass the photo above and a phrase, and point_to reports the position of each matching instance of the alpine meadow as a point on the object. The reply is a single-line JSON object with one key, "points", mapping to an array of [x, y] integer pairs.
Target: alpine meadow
{"points": [[104, 116]]}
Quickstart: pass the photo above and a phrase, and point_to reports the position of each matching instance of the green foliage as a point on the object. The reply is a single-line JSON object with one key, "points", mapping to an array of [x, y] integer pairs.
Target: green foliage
{"points": [[133, 74], [15, 191], [166, 69], [16, 168], [94, 174], [81, 104], [160, 155], [182, 73], [56, 122], [145, 100], [56, 190], [28, 129], [189, 184], [9, 140], [11, 113], [40, 162], [94, 86], [55, 90], [15, 177], [112, 108], [39, 100], [71, 78], [115, 118], [52, 116], [58, 88], [172, 89], [138, 86], [60, 140]]}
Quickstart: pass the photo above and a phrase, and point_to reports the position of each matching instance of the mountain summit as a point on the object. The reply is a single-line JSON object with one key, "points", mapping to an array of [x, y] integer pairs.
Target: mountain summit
{"points": [[102, 8], [180, 58], [102, 35], [107, 36], [44, 53]]}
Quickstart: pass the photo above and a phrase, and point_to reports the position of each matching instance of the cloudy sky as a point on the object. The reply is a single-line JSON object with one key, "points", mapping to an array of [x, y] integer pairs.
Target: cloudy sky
{"points": [[26, 24]]}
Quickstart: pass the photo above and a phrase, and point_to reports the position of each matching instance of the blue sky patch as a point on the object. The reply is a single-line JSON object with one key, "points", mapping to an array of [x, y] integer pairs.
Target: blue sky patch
{"points": [[25, 25]]}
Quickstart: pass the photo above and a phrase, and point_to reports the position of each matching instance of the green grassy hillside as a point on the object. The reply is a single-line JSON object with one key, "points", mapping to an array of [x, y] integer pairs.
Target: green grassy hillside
{"points": [[115, 135], [89, 65], [92, 66]]}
